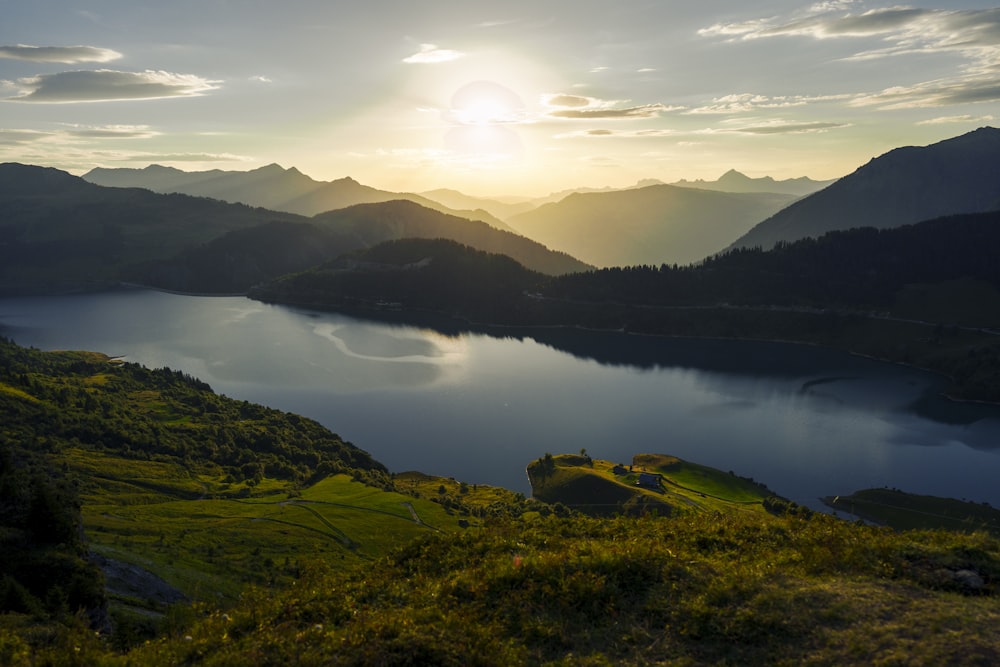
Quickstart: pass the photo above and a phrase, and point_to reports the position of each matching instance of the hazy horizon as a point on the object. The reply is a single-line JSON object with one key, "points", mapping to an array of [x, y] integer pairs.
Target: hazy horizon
{"points": [[522, 99]]}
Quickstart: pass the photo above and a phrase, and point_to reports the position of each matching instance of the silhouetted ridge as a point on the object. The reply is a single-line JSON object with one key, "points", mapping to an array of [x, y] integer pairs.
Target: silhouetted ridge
{"points": [[903, 186]]}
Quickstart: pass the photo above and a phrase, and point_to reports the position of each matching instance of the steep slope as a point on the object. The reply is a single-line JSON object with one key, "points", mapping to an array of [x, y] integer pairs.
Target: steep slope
{"points": [[734, 181], [271, 187], [905, 185], [658, 224]]}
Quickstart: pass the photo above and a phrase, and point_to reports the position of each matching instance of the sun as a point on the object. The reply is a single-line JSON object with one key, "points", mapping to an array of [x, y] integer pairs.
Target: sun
{"points": [[485, 103]]}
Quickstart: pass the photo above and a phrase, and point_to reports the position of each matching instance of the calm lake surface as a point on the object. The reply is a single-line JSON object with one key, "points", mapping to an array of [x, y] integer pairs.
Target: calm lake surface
{"points": [[479, 407]]}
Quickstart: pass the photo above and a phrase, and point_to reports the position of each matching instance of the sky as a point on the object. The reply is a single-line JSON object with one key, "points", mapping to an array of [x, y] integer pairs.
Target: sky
{"points": [[513, 98]]}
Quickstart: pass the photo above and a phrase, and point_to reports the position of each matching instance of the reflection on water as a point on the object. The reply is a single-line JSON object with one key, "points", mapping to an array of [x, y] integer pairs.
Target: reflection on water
{"points": [[480, 405]]}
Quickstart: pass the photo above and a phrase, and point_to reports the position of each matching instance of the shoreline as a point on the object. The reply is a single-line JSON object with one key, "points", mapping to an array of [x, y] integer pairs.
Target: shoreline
{"points": [[406, 316]]}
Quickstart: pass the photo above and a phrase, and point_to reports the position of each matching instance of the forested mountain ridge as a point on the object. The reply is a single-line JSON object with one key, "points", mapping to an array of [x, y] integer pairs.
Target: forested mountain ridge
{"points": [[904, 186], [416, 274], [650, 225]]}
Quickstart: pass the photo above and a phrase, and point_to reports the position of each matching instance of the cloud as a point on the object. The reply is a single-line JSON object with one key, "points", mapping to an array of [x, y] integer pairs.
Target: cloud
{"points": [[430, 54], [963, 90], [59, 54], [974, 33], [966, 118], [821, 23], [578, 107], [70, 134], [785, 127], [20, 137], [745, 102], [111, 132], [971, 34], [109, 85], [618, 134], [772, 127], [643, 111], [159, 158], [750, 102], [560, 100]]}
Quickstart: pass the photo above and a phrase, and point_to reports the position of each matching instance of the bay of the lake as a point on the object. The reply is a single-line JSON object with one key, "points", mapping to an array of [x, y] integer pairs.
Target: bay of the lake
{"points": [[479, 406]]}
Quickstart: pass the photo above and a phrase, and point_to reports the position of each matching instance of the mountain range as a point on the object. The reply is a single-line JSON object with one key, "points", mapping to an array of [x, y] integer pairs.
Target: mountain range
{"points": [[734, 181], [238, 260], [59, 232], [271, 187], [905, 185]]}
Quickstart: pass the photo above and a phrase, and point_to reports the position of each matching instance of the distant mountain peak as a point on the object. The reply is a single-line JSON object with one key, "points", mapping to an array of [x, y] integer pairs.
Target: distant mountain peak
{"points": [[159, 168]]}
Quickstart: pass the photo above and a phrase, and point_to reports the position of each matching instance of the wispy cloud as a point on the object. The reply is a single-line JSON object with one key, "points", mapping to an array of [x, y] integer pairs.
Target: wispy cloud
{"points": [[76, 134], [161, 158], [59, 54], [579, 107], [601, 133], [971, 34], [786, 127], [946, 120], [562, 100], [430, 54], [738, 103], [110, 131], [769, 127], [974, 33], [20, 137], [642, 111], [938, 93], [109, 85]]}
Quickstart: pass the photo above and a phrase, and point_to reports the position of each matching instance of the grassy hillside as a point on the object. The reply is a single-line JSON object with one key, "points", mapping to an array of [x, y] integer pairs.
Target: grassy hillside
{"points": [[175, 484], [731, 588], [653, 483]]}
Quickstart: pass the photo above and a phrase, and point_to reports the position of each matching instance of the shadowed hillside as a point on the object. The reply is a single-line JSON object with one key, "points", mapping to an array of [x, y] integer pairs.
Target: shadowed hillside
{"points": [[904, 186]]}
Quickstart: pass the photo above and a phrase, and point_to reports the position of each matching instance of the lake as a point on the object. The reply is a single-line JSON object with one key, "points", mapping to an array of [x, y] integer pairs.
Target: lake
{"points": [[479, 406]]}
